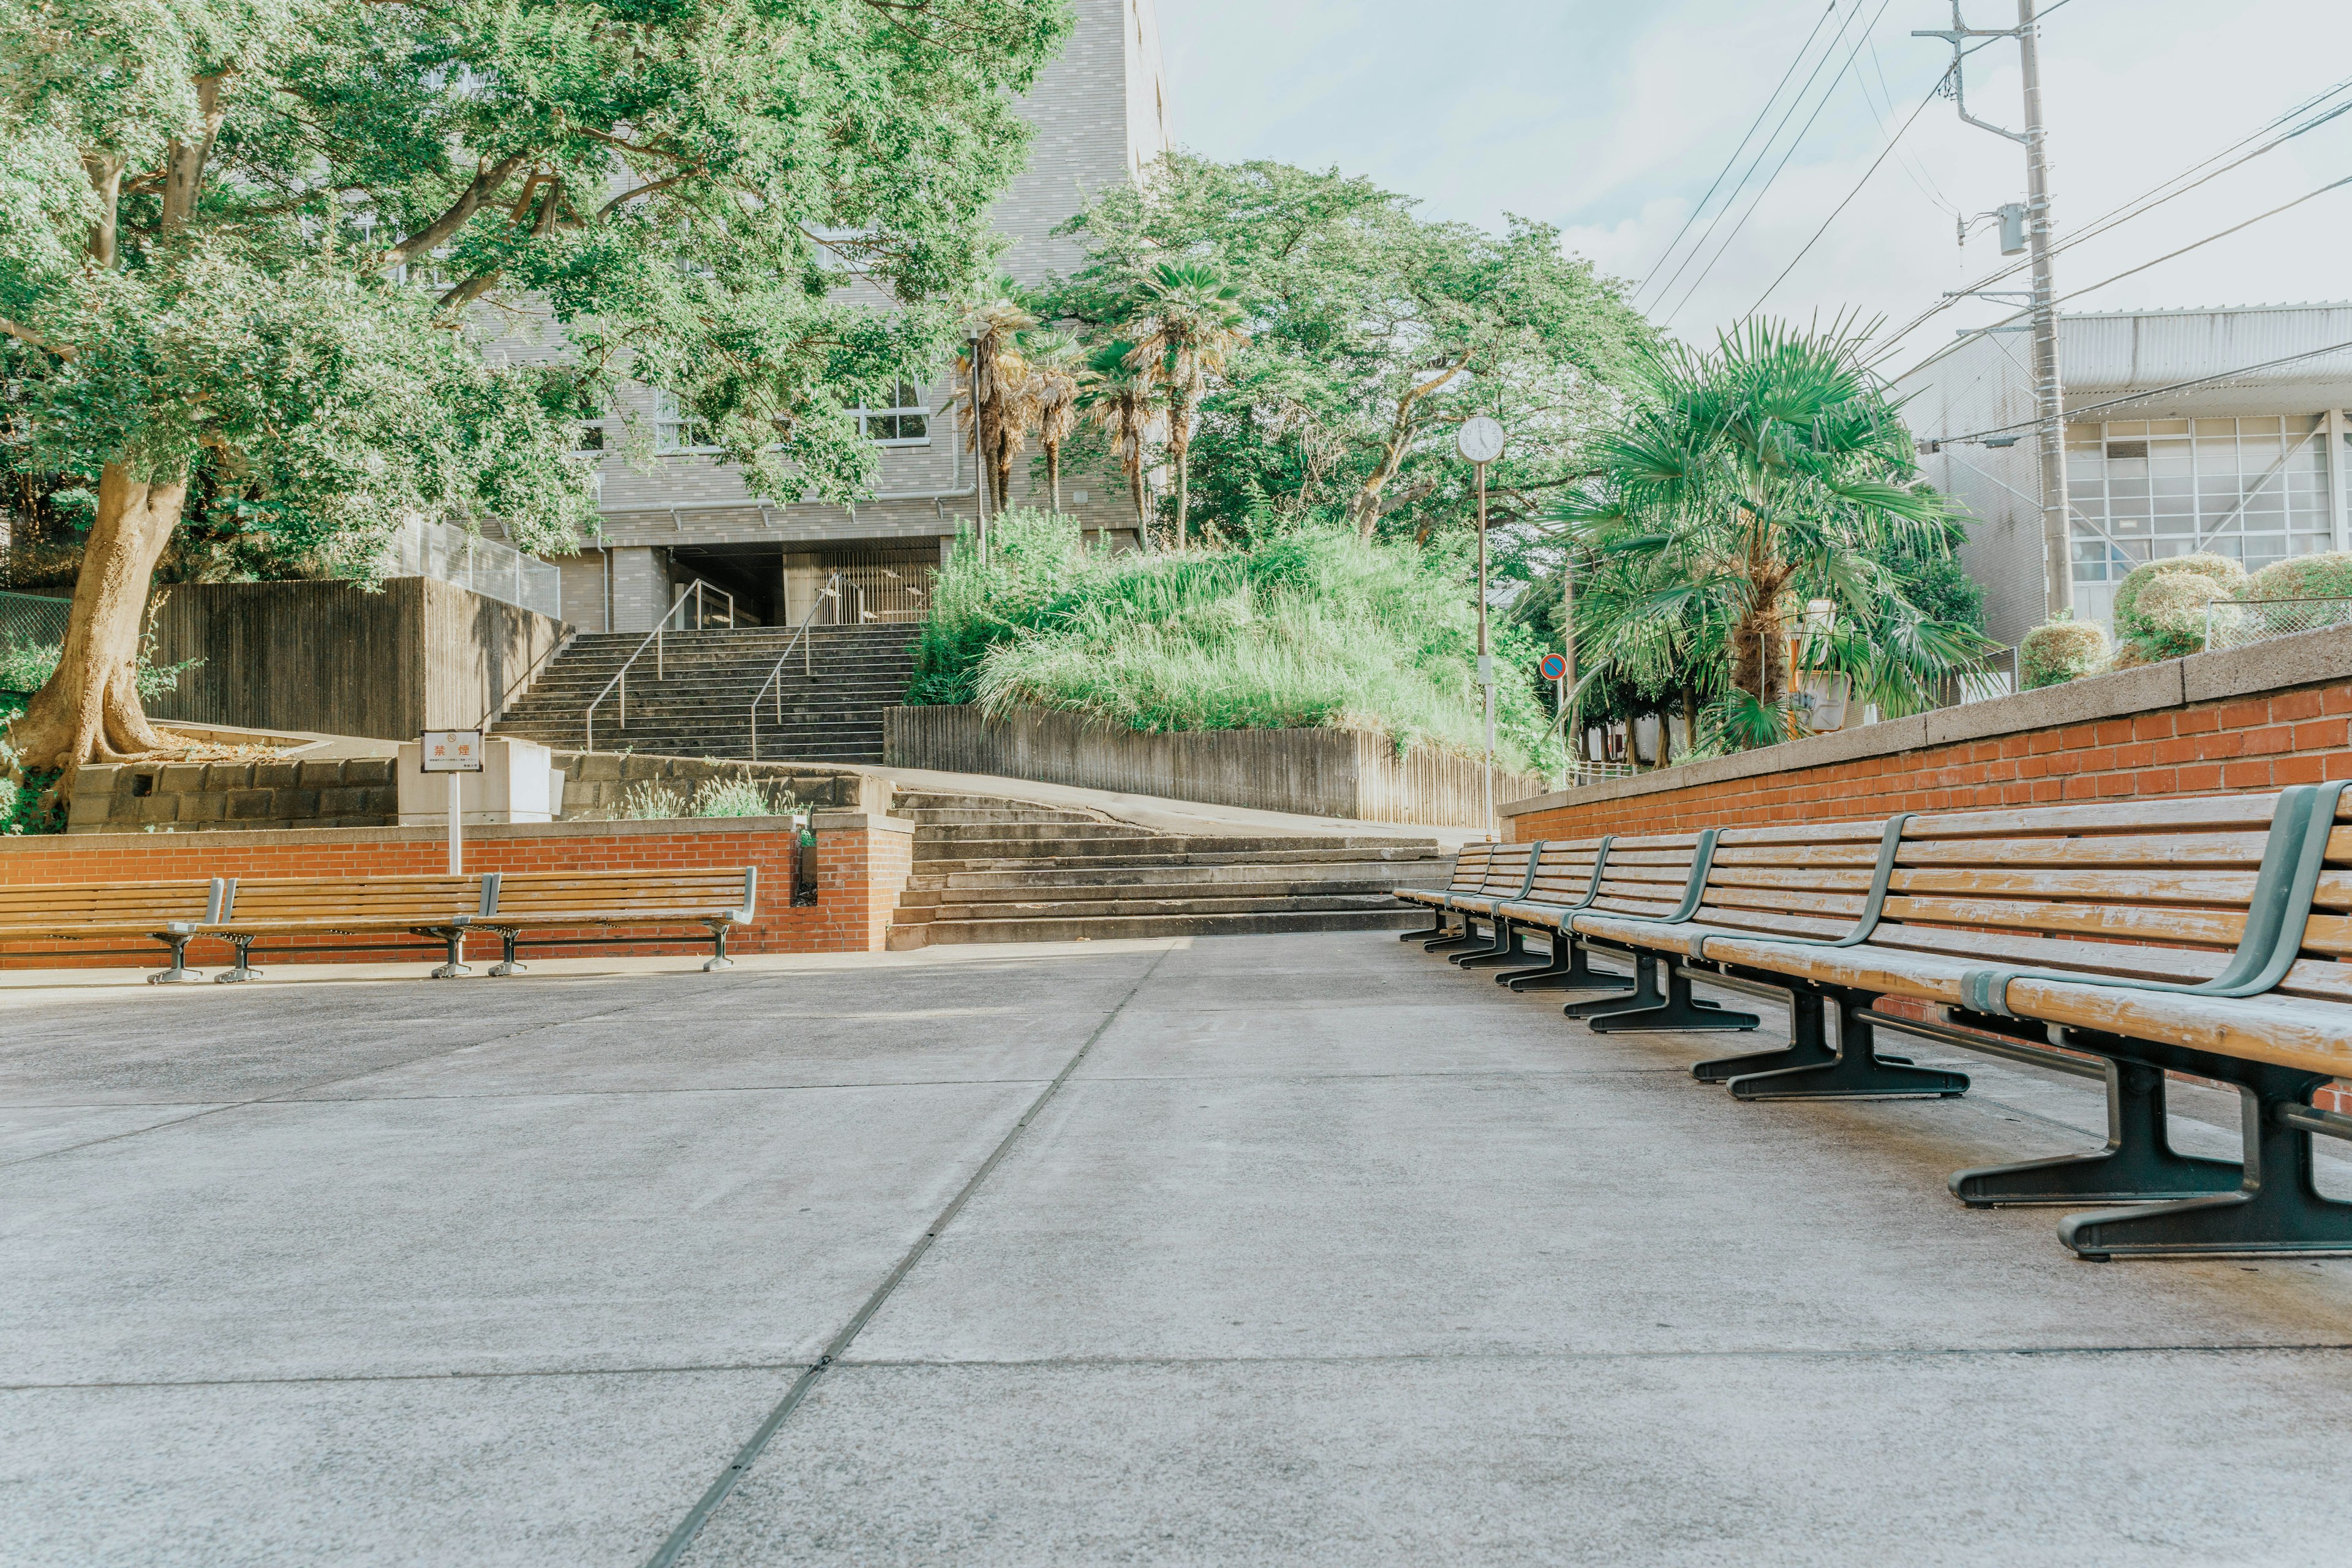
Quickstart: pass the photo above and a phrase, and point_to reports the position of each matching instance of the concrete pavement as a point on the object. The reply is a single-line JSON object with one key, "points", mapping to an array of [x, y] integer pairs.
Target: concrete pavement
{"points": [[1312, 1250]]}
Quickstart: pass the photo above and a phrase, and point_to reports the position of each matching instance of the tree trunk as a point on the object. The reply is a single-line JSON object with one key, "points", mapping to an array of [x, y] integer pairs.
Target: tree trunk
{"points": [[1053, 473], [89, 711], [1179, 447]]}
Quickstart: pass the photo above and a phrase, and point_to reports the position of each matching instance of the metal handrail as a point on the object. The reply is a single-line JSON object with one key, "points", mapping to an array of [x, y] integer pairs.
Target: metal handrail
{"points": [[808, 666], [701, 613], [621, 676], [497, 709]]}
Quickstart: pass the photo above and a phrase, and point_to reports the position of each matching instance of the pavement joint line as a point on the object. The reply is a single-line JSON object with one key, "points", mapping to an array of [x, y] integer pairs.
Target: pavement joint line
{"points": [[948, 1364], [682, 1538], [657, 1093], [288, 1096]]}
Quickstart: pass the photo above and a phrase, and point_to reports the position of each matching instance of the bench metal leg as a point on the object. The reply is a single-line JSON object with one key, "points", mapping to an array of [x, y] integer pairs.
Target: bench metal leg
{"points": [[1808, 1047], [2139, 1163], [508, 965], [1858, 1071], [1570, 970], [1422, 933], [455, 967], [2276, 1208], [243, 970], [1646, 992], [1675, 1012], [719, 959], [179, 974], [1464, 937], [1504, 949]]}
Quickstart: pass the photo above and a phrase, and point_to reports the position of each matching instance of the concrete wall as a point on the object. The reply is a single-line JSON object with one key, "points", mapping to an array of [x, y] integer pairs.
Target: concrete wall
{"points": [[335, 658], [2257, 718], [1317, 773]]}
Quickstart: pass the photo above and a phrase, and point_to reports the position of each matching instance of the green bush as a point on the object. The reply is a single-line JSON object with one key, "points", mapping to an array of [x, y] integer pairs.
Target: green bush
{"points": [[2131, 624], [2327, 576], [2058, 651], [2170, 611], [26, 668], [1306, 629], [733, 797]]}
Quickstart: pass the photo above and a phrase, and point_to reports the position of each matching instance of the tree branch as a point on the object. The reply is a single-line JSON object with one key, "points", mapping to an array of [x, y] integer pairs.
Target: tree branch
{"points": [[183, 167], [625, 197], [485, 184], [26, 335]]}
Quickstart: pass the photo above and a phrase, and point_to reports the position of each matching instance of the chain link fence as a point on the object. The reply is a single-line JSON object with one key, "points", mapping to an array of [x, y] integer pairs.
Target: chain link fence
{"points": [[29, 620], [2234, 622]]}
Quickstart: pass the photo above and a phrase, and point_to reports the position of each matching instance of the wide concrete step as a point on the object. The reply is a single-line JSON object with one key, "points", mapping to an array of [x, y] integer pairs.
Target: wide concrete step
{"points": [[1040, 881], [1130, 909], [975, 903], [1409, 869], [1105, 928], [1012, 847]]}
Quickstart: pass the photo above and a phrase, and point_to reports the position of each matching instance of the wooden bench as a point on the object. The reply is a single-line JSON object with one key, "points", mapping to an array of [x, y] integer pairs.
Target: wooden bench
{"points": [[1509, 869], [1565, 880], [715, 900], [171, 912], [2208, 937], [1469, 873], [442, 907]]}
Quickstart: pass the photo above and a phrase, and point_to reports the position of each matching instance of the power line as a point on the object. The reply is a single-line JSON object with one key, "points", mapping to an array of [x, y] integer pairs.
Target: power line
{"points": [[1796, 61], [2073, 414], [1875, 163], [1766, 188], [1763, 153]]}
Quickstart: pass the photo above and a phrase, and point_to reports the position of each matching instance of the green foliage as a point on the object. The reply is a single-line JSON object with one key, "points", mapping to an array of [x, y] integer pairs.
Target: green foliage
{"points": [[1741, 485], [26, 668], [2059, 651], [1371, 334], [2325, 576], [732, 797], [1304, 629], [240, 243], [2134, 626], [2169, 611], [651, 802]]}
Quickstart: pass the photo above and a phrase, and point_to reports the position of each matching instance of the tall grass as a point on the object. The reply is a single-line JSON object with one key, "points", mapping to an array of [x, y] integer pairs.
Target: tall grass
{"points": [[1311, 629]]}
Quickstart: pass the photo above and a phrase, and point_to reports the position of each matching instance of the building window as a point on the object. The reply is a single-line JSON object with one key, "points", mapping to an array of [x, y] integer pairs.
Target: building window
{"points": [[677, 431], [905, 423], [2253, 489]]}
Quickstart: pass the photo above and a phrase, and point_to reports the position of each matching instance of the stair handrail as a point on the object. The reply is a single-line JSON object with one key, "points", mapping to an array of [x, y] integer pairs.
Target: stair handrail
{"points": [[701, 610], [621, 676], [776, 677]]}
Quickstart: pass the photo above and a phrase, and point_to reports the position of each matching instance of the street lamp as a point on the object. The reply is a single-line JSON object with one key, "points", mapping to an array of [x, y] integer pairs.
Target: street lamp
{"points": [[1480, 440]]}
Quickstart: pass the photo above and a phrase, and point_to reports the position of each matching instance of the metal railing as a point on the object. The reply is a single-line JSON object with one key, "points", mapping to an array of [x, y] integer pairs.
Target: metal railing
{"points": [[31, 620], [497, 709], [694, 591], [620, 680], [800, 639], [2234, 622], [485, 566]]}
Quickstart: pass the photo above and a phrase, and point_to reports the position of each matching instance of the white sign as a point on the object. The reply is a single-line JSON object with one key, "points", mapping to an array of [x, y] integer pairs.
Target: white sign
{"points": [[1480, 439], [451, 752]]}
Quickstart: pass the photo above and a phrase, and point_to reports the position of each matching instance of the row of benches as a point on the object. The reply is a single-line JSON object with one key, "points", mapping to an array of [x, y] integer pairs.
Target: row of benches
{"points": [[511, 906], [2208, 937]]}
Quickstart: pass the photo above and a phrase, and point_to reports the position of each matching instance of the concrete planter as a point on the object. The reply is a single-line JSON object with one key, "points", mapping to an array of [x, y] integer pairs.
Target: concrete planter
{"points": [[1317, 772]]}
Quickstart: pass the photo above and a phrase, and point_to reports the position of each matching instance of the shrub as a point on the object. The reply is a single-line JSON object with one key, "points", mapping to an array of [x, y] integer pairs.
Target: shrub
{"points": [[2327, 576], [651, 802], [2171, 612], [2131, 622], [2059, 651], [733, 797]]}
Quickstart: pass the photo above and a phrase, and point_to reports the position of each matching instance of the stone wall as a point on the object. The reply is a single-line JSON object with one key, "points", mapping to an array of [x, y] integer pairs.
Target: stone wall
{"points": [[194, 798], [2255, 717]]}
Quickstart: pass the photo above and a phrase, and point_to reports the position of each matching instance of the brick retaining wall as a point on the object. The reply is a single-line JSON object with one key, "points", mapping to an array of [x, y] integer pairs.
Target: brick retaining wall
{"points": [[863, 863]]}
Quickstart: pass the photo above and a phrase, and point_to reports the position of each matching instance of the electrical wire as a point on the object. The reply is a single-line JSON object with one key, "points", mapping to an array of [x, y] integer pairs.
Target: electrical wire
{"points": [[1766, 188], [1763, 153], [2076, 414], [1802, 51], [1875, 163]]}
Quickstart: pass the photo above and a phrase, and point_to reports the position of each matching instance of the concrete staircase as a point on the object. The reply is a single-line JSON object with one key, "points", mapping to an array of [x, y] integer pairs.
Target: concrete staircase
{"points": [[701, 705], [988, 870]]}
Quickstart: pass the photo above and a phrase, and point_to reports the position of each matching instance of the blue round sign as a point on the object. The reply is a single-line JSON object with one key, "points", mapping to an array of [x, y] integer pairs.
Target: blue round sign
{"points": [[1555, 666]]}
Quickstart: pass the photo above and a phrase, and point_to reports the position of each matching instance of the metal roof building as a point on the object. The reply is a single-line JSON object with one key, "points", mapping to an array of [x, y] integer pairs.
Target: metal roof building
{"points": [[2215, 430]]}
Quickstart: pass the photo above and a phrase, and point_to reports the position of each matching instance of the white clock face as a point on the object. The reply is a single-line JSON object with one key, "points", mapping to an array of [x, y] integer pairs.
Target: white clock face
{"points": [[1480, 439]]}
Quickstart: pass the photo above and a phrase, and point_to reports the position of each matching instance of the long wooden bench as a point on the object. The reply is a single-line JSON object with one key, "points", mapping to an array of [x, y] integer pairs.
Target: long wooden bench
{"points": [[1509, 869], [568, 900], [1566, 878], [2208, 937], [441, 908], [171, 912]]}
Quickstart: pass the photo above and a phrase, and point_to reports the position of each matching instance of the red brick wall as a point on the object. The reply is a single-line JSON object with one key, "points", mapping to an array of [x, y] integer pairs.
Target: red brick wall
{"points": [[861, 869], [2259, 742]]}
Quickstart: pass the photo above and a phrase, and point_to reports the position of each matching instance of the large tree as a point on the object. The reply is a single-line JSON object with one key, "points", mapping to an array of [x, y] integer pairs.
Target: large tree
{"points": [[254, 255], [1372, 332]]}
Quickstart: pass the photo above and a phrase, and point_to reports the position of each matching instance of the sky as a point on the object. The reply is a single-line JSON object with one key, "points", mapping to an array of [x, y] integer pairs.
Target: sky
{"points": [[1610, 119]]}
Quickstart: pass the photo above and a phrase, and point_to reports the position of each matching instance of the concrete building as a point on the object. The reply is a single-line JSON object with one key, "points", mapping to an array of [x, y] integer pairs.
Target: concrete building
{"points": [[2218, 430], [1100, 115]]}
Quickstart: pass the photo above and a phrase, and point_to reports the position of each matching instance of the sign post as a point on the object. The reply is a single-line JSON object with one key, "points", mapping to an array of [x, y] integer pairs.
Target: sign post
{"points": [[452, 751], [1480, 440]]}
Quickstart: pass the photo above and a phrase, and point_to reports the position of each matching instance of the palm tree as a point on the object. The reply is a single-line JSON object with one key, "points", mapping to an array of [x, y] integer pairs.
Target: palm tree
{"points": [[1743, 483], [1190, 321], [995, 382], [1120, 398], [1056, 369]]}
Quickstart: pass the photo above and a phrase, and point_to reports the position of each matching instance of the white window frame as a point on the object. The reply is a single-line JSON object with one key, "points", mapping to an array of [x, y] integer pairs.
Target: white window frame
{"points": [[911, 390], [672, 427]]}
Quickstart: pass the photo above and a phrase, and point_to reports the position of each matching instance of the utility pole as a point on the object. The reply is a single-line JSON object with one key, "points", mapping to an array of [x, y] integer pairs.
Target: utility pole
{"points": [[2049, 391], [1480, 440]]}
